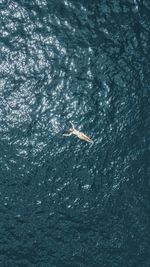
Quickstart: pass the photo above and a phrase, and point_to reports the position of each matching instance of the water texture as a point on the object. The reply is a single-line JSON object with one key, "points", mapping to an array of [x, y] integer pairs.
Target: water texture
{"points": [[65, 202]]}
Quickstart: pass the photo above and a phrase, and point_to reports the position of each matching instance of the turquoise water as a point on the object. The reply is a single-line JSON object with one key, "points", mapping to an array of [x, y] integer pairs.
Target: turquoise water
{"points": [[65, 202]]}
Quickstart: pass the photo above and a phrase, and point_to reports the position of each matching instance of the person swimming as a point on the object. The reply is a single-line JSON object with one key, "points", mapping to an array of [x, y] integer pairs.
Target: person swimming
{"points": [[79, 134]]}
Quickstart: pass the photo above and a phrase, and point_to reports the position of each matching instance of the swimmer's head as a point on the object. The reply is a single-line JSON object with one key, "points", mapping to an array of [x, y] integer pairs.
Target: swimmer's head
{"points": [[71, 130]]}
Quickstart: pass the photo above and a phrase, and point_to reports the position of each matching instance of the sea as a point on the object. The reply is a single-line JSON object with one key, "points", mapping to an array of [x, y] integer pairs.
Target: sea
{"points": [[65, 202]]}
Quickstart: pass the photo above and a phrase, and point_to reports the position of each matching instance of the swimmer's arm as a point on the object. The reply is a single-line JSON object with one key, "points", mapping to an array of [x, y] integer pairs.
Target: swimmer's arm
{"points": [[67, 134], [72, 125]]}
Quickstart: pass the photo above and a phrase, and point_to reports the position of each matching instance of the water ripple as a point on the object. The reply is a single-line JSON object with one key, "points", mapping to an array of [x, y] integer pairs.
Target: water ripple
{"points": [[64, 201]]}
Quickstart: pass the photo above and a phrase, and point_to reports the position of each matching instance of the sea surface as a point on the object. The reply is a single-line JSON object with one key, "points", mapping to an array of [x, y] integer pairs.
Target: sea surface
{"points": [[65, 202]]}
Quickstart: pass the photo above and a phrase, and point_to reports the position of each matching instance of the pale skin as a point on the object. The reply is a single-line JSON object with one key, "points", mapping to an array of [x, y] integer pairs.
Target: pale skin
{"points": [[78, 134]]}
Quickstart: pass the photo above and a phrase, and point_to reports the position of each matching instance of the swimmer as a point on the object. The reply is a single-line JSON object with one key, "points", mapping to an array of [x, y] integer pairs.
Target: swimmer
{"points": [[78, 134]]}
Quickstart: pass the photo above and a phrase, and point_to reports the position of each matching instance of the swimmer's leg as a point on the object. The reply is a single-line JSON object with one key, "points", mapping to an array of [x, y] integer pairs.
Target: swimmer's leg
{"points": [[86, 138], [89, 140]]}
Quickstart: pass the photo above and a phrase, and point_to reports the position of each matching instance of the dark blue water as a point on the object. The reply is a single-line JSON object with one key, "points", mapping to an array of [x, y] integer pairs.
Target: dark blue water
{"points": [[65, 202]]}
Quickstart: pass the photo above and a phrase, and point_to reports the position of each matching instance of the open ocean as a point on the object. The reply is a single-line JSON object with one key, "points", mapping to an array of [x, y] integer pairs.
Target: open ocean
{"points": [[65, 202]]}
